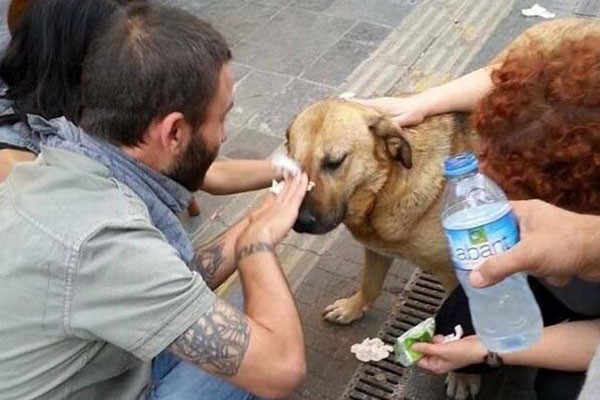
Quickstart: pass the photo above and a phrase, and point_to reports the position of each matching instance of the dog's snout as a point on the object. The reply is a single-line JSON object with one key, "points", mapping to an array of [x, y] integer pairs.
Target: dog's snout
{"points": [[306, 222]]}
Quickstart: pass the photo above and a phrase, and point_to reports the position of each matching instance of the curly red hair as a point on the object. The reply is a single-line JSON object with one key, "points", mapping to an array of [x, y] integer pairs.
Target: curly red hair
{"points": [[540, 125]]}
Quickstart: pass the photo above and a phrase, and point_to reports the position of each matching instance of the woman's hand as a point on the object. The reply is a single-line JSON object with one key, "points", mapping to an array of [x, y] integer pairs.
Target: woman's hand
{"points": [[441, 358], [556, 244], [405, 111]]}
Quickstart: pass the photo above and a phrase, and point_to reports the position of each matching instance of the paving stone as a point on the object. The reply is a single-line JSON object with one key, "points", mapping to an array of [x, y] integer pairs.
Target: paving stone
{"points": [[368, 33], [508, 29], [338, 62], [313, 5], [384, 12], [588, 8], [254, 93], [291, 41], [252, 145], [340, 266], [319, 278], [341, 286], [231, 130], [347, 248], [282, 109], [207, 9], [240, 71], [317, 362], [272, 2], [308, 293], [567, 6], [310, 389], [237, 26]]}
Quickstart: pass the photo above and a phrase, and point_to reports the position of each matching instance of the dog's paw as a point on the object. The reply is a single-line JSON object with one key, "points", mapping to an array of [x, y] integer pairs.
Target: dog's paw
{"points": [[344, 311], [462, 386]]}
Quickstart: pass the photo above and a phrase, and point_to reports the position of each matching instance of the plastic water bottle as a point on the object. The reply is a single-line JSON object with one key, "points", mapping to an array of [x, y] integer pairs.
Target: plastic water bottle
{"points": [[479, 223]]}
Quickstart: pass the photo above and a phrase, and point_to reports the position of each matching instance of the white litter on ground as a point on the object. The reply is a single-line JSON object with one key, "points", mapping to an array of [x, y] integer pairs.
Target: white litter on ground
{"points": [[538, 11], [347, 95], [371, 350]]}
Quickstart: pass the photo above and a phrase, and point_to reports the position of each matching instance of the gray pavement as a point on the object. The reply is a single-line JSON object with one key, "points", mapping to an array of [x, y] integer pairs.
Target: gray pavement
{"points": [[306, 50], [290, 53]]}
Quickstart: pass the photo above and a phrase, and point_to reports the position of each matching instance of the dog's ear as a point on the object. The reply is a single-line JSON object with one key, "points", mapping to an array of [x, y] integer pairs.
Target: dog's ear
{"points": [[395, 142]]}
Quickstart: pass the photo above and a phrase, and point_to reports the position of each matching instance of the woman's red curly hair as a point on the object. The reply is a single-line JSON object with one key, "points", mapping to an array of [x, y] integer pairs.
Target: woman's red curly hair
{"points": [[540, 125]]}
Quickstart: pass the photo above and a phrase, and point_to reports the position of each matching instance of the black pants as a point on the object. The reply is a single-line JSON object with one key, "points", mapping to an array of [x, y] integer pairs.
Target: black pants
{"points": [[549, 384]]}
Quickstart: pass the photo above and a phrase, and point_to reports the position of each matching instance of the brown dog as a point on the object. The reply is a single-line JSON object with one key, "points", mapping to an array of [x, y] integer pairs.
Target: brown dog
{"points": [[385, 185]]}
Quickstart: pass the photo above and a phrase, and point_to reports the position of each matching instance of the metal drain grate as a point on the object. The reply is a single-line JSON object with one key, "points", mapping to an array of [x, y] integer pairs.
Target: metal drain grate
{"points": [[419, 300]]}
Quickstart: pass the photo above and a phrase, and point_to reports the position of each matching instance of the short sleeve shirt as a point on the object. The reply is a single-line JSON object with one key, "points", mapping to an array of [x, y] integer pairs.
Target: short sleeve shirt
{"points": [[91, 290]]}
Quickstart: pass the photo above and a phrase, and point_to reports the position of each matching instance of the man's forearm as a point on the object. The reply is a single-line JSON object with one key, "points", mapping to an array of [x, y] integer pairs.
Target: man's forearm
{"points": [[268, 298], [216, 261], [262, 351]]}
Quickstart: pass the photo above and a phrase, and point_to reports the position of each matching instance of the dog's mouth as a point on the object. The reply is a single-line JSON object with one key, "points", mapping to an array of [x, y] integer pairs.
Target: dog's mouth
{"points": [[310, 222]]}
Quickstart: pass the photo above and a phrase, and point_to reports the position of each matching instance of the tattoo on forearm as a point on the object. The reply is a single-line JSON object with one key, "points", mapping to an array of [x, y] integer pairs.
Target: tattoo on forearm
{"points": [[217, 342], [259, 247], [208, 260]]}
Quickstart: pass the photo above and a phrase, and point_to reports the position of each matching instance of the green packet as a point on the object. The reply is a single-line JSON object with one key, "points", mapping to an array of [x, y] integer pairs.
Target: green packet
{"points": [[422, 332]]}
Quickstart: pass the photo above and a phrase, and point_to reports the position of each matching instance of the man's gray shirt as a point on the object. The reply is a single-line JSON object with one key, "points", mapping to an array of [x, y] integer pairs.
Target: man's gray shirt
{"points": [[90, 289]]}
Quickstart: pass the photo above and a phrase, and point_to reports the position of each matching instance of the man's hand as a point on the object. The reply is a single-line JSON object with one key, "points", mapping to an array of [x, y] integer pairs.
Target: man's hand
{"points": [[275, 217], [555, 244], [262, 351]]}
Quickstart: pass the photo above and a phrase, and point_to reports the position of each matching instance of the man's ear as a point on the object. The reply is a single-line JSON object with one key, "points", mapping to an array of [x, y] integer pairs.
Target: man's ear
{"points": [[396, 144], [174, 132]]}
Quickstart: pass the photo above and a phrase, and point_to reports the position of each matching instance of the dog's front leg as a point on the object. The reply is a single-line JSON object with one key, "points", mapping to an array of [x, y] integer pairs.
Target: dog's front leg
{"points": [[374, 270]]}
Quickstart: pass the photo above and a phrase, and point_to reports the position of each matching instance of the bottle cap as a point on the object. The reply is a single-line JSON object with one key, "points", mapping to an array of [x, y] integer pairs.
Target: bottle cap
{"points": [[460, 164]]}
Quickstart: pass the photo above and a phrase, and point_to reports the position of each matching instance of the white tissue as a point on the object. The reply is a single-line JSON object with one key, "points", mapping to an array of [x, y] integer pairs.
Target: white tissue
{"points": [[347, 95], [453, 337], [371, 350], [285, 164], [538, 11], [277, 187]]}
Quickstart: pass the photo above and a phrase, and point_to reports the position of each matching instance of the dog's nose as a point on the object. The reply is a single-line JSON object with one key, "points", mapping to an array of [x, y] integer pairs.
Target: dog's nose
{"points": [[306, 222]]}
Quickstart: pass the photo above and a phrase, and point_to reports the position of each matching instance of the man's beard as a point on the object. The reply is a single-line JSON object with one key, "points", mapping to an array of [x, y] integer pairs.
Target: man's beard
{"points": [[191, 168]]}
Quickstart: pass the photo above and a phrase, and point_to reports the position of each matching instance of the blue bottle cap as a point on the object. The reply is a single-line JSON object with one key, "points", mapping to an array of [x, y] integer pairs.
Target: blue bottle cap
{"points": [[460, 164]]}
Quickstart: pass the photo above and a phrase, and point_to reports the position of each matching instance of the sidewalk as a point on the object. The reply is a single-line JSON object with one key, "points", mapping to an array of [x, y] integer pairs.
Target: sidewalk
{"points": [[289, 54]]}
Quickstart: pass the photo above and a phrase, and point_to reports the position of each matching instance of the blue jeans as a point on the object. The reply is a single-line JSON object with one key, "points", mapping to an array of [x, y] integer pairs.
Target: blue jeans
{"points": [[173, 379]]}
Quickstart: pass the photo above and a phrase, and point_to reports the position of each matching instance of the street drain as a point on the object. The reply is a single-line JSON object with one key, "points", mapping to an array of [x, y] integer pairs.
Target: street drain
{"points": [[420, 299]]}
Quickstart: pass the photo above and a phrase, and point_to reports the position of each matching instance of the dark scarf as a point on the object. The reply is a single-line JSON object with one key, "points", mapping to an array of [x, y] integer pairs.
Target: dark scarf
{"points": [[163, 196]]}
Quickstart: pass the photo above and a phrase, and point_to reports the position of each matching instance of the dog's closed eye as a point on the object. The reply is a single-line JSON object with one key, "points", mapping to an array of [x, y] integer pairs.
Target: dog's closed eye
{"points": [[330, 164]]}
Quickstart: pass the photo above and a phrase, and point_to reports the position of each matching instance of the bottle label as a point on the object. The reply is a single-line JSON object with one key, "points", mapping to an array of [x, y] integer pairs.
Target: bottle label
{"points": [[469, 247]]}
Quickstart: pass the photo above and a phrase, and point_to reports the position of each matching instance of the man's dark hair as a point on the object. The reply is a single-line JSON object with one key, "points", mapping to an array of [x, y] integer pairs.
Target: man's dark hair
{"points": [[149, 61], [41, 65]]}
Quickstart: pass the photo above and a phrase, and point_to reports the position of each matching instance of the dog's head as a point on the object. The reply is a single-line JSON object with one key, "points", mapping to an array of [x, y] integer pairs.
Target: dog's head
{"points": [[348, 150]]}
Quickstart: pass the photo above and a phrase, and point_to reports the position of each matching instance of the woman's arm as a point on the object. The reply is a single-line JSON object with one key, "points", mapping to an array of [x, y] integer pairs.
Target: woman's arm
{"points": [[236, 176], [568, 346], [459, 95]]}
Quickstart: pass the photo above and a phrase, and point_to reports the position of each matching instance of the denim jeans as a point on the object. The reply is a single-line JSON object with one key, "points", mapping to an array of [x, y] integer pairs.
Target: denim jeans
{"points": [[173, 379]]}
